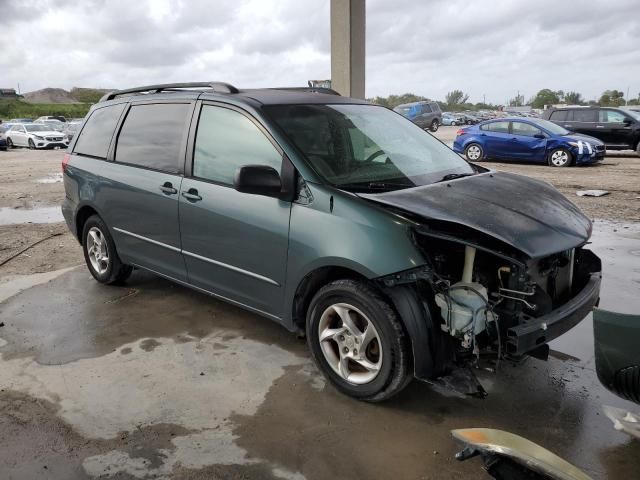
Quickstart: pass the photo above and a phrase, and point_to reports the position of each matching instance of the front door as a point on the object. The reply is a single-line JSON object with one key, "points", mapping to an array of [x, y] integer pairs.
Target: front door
{"points": [[234, 244], [616, 128], [525, 144]]}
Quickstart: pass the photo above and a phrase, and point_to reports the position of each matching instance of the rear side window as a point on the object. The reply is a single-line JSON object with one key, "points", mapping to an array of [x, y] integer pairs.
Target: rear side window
{"points": [[151, 136], [499, 127], [96, 135], [560, 115], [426, 108], [227, 140], [585, 115]]}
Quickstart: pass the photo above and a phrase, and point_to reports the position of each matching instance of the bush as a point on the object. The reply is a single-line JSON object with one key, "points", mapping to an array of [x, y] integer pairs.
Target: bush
{"points": [[20, 109]]}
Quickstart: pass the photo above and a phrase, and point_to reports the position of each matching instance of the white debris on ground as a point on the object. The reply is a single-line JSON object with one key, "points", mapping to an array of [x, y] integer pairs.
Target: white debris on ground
{"points": [[592, 193]]}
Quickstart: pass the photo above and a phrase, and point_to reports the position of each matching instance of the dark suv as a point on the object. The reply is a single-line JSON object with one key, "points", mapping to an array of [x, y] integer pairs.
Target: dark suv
{"points": [[424, 114], [333, 217], [618, 129]]}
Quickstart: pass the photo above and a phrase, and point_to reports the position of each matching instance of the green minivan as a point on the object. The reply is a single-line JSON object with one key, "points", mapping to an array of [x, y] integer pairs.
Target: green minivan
{"points": [[334, 217]]}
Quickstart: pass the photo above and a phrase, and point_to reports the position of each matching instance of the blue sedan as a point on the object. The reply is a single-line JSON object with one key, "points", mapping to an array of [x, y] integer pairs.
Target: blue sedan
{"points": [[529, 139]]}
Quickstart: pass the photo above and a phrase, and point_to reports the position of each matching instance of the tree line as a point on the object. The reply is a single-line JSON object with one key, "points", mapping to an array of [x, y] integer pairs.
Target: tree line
{"points": [[457, 100]]}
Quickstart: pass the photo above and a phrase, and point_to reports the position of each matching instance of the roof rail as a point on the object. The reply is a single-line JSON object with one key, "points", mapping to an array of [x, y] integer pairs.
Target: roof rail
{"points": [[327, 91], [220, 87]]}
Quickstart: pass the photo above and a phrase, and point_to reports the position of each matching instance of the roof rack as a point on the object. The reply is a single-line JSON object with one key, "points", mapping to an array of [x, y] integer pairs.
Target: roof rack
{"points": [[220, 87], [327, 91]]}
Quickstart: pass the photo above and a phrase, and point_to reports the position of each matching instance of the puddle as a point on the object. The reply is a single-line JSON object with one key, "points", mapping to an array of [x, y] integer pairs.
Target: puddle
{"points": [[51, 178], [10, 216]]}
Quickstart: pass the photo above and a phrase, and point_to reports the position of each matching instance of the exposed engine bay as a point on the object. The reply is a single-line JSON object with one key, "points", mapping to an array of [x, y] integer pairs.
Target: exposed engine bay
{"points": [[490, 301]]}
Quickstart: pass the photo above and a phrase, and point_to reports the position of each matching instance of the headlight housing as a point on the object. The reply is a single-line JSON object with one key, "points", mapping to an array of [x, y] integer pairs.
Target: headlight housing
{"points": [[38, 137]]}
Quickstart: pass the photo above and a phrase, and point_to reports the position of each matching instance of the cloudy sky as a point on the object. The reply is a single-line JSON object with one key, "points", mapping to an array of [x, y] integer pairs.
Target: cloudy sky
{"points": [[484, 47]]}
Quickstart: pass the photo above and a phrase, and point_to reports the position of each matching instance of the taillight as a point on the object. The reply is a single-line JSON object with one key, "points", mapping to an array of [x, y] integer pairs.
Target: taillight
{"points": [[65, 161], [462, 131]]}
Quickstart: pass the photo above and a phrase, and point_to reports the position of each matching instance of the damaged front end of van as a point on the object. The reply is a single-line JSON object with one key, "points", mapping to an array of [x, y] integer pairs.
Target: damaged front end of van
{"points": [[507, 271]]}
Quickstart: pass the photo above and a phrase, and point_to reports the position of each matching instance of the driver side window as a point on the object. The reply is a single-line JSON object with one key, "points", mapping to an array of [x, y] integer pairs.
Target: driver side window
{"points": [[227, 140]]}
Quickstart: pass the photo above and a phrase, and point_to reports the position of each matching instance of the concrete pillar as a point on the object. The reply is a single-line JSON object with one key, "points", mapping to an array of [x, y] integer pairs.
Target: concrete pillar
{"points": [[348, 47]]}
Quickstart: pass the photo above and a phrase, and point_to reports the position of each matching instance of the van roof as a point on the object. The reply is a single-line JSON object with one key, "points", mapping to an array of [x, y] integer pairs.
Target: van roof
{"points": [[215, 90]]}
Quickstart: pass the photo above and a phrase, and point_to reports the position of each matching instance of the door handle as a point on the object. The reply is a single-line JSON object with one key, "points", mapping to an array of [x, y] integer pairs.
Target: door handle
{"points": [[192, 195], [167, 189], [599, 126]]}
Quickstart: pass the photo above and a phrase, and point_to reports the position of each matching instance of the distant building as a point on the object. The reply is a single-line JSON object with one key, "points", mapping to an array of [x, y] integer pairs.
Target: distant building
{"points": [[8, 93], [522, 109]]}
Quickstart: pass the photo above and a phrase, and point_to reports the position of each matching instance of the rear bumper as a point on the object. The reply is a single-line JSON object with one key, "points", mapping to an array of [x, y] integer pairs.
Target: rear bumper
{"points": [[530, 335]]}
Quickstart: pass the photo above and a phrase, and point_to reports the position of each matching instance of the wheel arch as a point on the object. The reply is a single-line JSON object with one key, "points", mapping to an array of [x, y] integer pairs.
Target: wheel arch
{"points": [[312, 282], [428, 354], [82, 215]]}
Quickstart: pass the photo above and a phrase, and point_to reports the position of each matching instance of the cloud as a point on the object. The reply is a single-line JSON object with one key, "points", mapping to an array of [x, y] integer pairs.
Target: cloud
{"points": [[486, 47]]}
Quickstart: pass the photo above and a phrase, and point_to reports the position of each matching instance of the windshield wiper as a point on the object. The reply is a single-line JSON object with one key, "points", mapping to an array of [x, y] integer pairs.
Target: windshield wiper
{"points": [[375, 185], [453, 176]]}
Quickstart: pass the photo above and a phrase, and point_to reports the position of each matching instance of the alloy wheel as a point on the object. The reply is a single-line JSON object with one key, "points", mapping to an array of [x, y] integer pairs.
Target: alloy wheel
{"points": [[350, 343], [97, 250]]}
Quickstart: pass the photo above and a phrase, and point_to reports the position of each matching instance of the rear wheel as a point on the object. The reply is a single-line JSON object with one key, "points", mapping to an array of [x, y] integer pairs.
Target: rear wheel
{"points": [[358, 342], [32, 145], [560, 157], [473, 152], [434, 125], [100, 253]]}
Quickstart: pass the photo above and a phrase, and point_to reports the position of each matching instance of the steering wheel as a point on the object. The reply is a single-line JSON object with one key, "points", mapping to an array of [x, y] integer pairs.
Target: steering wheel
{"points": [[374, 155]]}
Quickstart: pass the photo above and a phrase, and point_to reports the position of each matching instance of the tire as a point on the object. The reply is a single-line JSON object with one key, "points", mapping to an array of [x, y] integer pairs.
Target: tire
{"points": [[387, 351], [32, 146], [560, 157], [10, 144], [103, 261], [638, 148], [434, 125], [474, 152]]}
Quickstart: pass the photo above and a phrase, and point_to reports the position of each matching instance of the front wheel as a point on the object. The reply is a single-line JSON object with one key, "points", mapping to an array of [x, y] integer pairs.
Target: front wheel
{"points": [[358, 342], [560, 157], [10, 143], [473, 152], [32, 146], [100, 253], [434, 125]]}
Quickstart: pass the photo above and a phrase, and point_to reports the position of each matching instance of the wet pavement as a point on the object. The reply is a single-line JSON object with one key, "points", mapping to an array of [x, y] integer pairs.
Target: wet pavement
{"points": [[10, 216], [152, 380]]}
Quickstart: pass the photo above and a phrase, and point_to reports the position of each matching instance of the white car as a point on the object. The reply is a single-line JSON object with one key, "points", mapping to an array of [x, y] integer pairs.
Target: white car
{"points": [[34, 135]]}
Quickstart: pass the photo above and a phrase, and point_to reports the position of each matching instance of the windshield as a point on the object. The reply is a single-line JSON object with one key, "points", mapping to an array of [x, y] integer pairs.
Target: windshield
{"points": [[36, 128], [634, 113], [551, 127], [366, 146]]}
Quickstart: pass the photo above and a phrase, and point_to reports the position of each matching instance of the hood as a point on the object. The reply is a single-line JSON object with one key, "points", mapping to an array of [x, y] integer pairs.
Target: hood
{"points": [[527, 214], [576, 137]]}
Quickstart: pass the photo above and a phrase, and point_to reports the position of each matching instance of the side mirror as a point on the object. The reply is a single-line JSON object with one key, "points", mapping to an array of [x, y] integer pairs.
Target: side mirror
{"points": [[258, 180], [540, 136], [627, 121]]}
